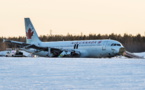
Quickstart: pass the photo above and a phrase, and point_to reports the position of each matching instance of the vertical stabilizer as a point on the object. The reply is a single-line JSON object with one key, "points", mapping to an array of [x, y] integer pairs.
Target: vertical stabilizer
{"points": [[31, 34]]}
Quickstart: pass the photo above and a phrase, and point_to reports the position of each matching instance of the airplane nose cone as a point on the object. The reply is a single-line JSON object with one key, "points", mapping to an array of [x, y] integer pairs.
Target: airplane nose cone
{"points": [[121, 51]]}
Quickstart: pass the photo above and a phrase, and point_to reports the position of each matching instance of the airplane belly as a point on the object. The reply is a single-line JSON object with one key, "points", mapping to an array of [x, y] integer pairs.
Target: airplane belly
{"points": [[42, 53], [83, 53]]}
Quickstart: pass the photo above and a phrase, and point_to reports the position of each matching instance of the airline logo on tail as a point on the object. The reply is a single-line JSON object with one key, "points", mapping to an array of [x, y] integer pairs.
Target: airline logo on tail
{"points": [[29, 34]]}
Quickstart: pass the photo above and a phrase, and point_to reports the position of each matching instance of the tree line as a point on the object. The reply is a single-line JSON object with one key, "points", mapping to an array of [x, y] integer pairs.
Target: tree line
{"points": [[132, 43]]}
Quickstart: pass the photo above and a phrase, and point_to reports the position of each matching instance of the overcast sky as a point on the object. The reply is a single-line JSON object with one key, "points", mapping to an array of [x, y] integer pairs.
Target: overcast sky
{"points": [[73, 16]]}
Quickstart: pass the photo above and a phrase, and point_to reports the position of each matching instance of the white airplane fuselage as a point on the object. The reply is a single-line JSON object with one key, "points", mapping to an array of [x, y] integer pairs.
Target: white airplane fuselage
{"points": [[86, 48]]}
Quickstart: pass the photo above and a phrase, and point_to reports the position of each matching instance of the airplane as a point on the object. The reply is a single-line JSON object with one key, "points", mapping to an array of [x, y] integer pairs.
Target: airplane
{"points": [[78, 48]]}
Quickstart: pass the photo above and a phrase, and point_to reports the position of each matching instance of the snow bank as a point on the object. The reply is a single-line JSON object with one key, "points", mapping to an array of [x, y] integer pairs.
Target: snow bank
{"points": [[3, 53], [142, 54]]}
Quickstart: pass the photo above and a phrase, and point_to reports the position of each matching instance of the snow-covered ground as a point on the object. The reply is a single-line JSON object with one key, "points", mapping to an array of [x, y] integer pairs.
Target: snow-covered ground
{"points": [[71, 74]]}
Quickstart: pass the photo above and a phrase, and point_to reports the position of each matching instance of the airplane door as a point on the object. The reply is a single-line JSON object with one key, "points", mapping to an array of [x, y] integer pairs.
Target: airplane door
{"points": [[76, 46]]}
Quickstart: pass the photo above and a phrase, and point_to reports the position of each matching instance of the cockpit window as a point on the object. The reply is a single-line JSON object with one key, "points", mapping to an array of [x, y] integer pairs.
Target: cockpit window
{"points": [[114, 44], [118, 45]]}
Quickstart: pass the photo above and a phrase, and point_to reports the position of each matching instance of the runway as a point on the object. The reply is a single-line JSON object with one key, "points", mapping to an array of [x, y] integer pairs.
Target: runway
{"points": [[72, 74]]}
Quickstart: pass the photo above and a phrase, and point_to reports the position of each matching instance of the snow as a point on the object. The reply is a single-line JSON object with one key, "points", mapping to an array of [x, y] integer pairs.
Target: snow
{"points": [[142, 54], [3, 53], [71, 73]]}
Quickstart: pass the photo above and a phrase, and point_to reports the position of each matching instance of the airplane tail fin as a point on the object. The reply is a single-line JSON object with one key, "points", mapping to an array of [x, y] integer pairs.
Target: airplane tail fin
{"points": [[31, 34]]}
